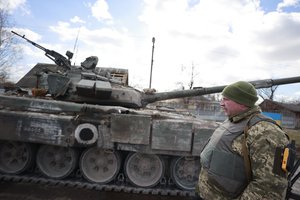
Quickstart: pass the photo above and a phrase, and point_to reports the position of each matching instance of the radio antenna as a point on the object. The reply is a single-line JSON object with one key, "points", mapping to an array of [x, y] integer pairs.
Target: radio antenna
{"points": [[76, 45]]}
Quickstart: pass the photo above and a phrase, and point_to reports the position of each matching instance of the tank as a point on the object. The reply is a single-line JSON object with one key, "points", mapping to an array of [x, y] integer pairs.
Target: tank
{"points": [[80, 131], [86, 124]]}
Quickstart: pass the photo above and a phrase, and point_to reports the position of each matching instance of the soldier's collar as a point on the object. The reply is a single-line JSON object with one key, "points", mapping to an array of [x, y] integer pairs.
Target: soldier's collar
{"points": [[245, 114]]}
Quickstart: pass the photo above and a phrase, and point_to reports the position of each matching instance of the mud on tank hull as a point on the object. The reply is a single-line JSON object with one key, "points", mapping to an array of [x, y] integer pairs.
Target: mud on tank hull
{"points": [[101, 141]]}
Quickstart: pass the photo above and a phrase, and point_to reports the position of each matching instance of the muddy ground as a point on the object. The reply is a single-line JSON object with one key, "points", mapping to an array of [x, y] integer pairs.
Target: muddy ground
{"points": [[26, 191], [31, 191]]}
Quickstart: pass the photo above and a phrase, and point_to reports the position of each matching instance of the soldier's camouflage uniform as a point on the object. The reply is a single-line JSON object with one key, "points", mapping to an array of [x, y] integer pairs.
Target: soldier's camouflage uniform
{"points": [[262, 140]]}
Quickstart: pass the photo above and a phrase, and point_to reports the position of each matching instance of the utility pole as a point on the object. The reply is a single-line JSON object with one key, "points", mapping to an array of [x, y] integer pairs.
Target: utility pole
{"points": [[153, 41]]}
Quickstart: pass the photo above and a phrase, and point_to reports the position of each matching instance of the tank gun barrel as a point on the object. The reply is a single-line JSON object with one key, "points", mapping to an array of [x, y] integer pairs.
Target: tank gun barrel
{"points": [[266, 83], [272, 82]]}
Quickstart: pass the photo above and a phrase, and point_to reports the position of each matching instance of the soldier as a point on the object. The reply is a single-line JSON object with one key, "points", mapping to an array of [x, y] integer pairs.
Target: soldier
{"points": [[225, 173]]}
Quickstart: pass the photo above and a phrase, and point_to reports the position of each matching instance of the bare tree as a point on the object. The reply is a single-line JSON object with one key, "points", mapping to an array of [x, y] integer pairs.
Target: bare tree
{"points": [[191, 75], [267, 93], [191, 83], [10, 52]]}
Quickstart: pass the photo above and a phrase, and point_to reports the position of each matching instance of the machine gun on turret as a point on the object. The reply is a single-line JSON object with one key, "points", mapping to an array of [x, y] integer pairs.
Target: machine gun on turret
{"points": [[53, 55]]}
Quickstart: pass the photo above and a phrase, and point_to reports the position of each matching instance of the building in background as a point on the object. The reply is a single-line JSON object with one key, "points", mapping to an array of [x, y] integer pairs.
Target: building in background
{"points": [[290, 113], [285, 114]]}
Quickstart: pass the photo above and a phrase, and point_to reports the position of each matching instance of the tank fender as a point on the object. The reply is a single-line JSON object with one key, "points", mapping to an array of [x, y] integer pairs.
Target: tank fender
{"points": [[86, 134], [104, 139]]}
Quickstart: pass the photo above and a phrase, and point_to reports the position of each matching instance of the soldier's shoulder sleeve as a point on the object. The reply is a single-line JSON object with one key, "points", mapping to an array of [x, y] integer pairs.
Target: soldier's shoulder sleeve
{"points": [[262, 140]]}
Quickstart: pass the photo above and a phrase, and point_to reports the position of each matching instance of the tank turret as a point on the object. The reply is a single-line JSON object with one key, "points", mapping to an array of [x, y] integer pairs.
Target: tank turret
{"points": [[108, 86], [105, 86]]}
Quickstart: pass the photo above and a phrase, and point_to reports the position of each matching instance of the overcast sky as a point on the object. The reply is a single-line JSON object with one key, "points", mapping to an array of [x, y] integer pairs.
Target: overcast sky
{"points": [[223, 40]]}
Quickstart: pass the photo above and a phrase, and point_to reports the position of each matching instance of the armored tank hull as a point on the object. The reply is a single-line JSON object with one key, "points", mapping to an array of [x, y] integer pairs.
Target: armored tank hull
{"points": [[101, 143]]}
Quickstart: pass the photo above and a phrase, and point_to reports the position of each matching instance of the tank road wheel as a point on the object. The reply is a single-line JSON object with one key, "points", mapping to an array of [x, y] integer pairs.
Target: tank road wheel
{"points": [[144, 170], [56, 162], [15, 157], [185, 172], [100, 166]]}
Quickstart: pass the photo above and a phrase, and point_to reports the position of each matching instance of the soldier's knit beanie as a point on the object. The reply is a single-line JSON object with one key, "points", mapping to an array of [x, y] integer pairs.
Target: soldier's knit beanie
{"points": [[241, 92]]}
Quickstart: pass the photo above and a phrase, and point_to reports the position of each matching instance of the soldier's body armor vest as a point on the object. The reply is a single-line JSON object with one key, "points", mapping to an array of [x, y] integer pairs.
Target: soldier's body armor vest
{"points": [[226, 168]]}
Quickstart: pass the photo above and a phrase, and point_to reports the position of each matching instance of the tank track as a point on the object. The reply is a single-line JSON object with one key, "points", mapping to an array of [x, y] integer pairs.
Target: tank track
{"points": [[164, 188]]}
